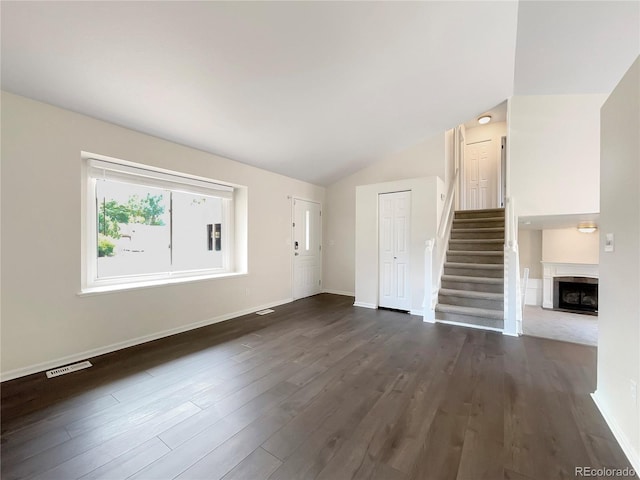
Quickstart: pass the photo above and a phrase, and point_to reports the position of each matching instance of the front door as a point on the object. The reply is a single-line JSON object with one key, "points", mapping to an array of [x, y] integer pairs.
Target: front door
{"points": [[394, 234], [307, 248], [481, 176]]}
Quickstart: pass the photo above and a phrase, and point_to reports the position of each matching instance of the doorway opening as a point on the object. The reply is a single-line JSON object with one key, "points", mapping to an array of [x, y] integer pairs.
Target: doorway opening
{"points": [[482, 179]]}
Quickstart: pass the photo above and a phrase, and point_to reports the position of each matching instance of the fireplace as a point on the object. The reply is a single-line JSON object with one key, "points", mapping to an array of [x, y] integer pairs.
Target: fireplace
{"points": [[576, 294]]}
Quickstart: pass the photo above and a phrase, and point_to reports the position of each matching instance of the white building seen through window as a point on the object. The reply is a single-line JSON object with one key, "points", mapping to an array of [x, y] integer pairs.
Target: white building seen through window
{"points": [[147, 225]]}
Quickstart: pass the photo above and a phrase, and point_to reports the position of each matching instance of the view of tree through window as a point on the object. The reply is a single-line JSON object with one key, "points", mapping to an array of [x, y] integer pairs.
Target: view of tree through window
{"points": [[150, 225], [133, 229]]}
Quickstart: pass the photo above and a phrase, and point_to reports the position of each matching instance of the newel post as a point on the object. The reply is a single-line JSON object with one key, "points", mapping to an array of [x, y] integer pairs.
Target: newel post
{"points": [[429, 314]]}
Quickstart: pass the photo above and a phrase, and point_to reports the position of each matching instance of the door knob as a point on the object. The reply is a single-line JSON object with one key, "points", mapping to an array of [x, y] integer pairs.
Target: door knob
{"points": [[296, 254], [395, 258]]}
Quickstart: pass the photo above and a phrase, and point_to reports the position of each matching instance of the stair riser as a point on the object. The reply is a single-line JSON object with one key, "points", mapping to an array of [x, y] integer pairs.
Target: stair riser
{"points": [[479, 223], [479, 214], [471, 302], [477, 287], [464, 246], [485, 322], [474, 272], [491, 259], [477, 235]]}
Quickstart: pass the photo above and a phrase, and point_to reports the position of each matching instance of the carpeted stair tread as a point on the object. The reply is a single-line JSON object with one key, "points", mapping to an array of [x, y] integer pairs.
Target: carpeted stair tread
{"points": [[464, 278], [479, 266], [476, 240], [471, 294], [481, 210], [470, 311], [478, 229], [480, 253], [479, 219]]}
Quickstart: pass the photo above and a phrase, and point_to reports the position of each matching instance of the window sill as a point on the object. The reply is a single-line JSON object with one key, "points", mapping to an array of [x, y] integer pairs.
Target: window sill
{"points": [[89, 291]]}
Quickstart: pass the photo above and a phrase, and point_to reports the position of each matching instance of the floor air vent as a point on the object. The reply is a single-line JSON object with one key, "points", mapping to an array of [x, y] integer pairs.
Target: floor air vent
{"points": [[264, 312], [56, 372]]}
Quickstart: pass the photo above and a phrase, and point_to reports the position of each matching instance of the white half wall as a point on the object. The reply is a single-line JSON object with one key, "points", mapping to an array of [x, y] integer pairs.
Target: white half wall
{"points": [[554, 153], [533, 295], [619, 288], [424, 225], [44, 321]]}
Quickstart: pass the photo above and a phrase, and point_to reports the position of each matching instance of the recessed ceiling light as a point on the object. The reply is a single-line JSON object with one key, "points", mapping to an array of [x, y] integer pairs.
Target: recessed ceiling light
{"points": [[587, 228], [483, 120]]}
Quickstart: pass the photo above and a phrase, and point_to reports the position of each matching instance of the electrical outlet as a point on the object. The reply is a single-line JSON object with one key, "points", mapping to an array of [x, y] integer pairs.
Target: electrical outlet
{"points": [[633, 388]]}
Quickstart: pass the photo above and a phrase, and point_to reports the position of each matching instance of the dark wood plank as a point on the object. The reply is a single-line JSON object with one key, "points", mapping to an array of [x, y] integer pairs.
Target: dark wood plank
{"points": [[257, 466], [317, 389], [130, 462]]}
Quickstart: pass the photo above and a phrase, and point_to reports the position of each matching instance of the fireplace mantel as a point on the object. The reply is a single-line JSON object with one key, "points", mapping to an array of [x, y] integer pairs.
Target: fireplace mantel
{"points": [[555, 269]]}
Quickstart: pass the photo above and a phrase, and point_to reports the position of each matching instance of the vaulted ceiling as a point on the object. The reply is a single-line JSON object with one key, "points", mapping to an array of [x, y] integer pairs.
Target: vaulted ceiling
{"points": [[312, 90]]}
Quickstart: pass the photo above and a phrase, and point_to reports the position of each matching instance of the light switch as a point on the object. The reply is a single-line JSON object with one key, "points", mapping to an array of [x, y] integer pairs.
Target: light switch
{"points": [[609, 242]]}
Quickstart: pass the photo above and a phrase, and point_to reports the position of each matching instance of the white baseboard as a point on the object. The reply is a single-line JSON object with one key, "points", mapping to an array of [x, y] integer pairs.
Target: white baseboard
{"points": [[429, 316], [339, 292], [625, 443], [509, 334], [40, 367], [469, 325], [365, 305], [420, 313]]}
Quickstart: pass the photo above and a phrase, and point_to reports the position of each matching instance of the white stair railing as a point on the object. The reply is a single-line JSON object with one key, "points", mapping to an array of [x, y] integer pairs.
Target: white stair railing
{"points": [[428, 309], [523, 286], [433, 267], [512, 300]]}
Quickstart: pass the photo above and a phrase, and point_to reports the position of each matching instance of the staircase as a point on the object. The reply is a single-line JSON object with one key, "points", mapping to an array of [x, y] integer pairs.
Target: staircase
{"points": [[472, 287]]}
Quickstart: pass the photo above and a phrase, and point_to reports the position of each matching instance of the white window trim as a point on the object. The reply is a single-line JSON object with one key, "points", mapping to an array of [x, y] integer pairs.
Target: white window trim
{"points": [[234, 255]]}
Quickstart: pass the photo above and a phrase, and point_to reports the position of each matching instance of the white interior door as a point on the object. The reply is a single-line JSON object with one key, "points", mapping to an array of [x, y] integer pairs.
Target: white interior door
{"points": [[394, 234], [481, 176], [307, 248]]}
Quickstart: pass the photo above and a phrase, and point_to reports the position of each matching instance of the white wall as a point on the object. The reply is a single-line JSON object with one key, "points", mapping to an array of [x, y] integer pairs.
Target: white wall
{"points": [[490, 131], [424, 223], [44, 321], [619, 287], [425, 159], [554, 153], [530, 251], [568, 245]]}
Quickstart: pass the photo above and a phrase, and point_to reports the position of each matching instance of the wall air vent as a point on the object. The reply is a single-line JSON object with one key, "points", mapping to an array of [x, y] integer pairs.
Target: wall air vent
{"points": [[56, 372]]}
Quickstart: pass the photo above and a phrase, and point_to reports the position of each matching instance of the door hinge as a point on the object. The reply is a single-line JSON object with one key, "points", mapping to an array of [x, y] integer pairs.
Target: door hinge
{"points": [[294, 224], [320, 212], [319, 282], [320, 248]]}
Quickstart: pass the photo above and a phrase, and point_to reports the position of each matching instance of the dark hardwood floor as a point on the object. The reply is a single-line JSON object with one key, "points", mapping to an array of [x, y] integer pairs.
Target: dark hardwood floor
{"points": [[317, 390]]}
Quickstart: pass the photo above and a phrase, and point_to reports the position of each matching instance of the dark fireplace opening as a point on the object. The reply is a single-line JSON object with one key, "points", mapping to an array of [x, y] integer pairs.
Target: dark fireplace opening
{"points": [[576, 294]]}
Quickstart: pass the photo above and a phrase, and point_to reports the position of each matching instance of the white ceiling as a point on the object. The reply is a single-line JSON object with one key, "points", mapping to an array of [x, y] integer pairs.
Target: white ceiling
{"points": [[577, 47], [497, 114], [312, 90]]}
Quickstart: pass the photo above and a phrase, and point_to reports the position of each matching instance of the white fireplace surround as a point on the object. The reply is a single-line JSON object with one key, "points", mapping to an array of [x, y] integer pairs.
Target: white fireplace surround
{"points": [[554, 269]]}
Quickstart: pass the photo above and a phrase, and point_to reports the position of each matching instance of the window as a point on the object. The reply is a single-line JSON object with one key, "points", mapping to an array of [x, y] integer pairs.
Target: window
{"points": [[147, 226]]}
